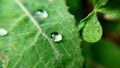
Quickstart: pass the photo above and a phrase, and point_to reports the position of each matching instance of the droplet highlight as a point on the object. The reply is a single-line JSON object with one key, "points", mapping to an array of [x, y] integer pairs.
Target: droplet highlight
{"points": [[56, 37], [41, 14], [3, 32]]}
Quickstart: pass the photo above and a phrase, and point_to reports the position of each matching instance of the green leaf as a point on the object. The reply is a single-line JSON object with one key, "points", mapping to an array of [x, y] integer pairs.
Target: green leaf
{"points": [[28, 43], [112, 7], [99, 3], [91, 28]]}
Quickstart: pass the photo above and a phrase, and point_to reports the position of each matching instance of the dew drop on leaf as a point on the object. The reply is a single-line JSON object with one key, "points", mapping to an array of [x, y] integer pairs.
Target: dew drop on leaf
{"points": [[3, 32], [41, 14], [56, 37]]}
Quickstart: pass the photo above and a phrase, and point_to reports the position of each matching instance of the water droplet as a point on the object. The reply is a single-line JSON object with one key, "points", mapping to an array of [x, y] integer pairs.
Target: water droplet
{"points": [[56, 37], [41, 14], [3, 32]]}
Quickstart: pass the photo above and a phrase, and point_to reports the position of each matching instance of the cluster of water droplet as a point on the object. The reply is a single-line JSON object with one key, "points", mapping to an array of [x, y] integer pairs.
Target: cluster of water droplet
{"points": [[55, 36]]}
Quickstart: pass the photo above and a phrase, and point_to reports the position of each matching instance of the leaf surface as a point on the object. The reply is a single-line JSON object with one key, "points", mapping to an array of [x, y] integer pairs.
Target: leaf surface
{"points": [[110, 7], [99, 3], [91, 28], [26, 46]]}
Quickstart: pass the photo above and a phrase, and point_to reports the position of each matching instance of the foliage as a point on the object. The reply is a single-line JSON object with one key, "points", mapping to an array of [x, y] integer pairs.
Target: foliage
{"points": [[81, 23]]}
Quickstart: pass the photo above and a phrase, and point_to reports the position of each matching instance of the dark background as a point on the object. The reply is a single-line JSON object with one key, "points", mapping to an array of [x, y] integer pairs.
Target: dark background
{"points": [[106, 52]]}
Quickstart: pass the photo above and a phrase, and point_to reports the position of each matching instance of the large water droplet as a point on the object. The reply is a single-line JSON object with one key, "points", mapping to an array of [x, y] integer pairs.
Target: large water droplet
{"points": [[3, 32], [56, 37], [41, 14]]}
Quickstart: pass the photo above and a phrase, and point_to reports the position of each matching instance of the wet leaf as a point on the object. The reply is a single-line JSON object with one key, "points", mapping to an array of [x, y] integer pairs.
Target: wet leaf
{"points": [[28, 43]]}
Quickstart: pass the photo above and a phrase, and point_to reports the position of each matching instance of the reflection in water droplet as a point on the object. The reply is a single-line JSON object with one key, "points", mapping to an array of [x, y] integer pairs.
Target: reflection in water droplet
{"points": [[56, 37], [3, 32], [41, 14]]}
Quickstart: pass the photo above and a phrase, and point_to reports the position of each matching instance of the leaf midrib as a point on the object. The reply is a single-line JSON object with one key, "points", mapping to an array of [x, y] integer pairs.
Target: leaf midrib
{"points": [[37, 26]]}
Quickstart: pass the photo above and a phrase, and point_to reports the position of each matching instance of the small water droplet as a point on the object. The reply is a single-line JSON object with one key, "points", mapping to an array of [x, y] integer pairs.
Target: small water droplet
{"points": [[41, 14], [3, 32], [56, 37]]}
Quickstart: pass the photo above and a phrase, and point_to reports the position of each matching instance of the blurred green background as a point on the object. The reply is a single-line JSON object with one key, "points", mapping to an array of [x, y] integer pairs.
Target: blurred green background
{"points": [[106, 52]]}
